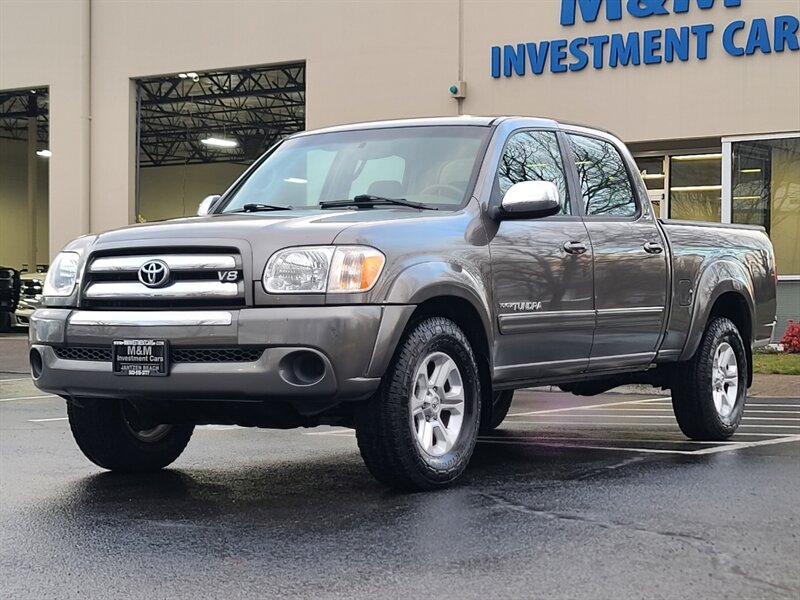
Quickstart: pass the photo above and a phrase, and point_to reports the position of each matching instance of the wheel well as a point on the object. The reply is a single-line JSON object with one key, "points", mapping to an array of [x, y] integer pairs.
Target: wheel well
{"points": [[463, 314], [733, 306]]}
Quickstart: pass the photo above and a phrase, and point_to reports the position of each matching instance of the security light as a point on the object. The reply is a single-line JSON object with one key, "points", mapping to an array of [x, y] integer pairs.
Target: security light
{"points": [[44, 153]]}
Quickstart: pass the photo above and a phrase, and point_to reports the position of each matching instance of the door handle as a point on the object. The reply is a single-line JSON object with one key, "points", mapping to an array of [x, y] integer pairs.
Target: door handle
{"points": [[653, 248], [574, 247]]}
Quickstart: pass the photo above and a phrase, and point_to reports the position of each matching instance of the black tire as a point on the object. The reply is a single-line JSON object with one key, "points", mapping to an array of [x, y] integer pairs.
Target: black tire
{"points": [[492, 418], [104, 434], [384, 431], [693, 386]]}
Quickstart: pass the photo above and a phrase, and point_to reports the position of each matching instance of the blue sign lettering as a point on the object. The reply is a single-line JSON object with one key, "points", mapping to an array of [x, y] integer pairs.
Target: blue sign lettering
{"points": [[649, 47], [786, 30], [590, 9]]}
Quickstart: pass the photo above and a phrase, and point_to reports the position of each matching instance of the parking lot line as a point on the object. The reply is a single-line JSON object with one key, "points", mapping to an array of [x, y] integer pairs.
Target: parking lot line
{"points": [[570, 408], [27, 398], [607, 416], [537, 438], [703, 451], [748, 410], [673, 425], [47, 420]]}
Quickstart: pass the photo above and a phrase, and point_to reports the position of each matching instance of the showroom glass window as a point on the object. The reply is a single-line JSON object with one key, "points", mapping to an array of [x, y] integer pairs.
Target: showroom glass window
{"points": [[653, 171], [765, 190], [604, 179], [695, 187], [532, 156]]}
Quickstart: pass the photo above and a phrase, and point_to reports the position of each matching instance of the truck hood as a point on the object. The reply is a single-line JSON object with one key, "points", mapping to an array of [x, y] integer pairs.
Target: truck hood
{"points": [[284, 227]]}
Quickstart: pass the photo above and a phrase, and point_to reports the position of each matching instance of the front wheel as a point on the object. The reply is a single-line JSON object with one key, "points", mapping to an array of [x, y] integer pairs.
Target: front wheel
{"points": [[420, 429], [108, 434], [709, 392]]}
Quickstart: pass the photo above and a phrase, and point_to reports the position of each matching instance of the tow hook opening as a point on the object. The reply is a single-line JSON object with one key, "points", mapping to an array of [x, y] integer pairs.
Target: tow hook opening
{"points": [[302, 367]]}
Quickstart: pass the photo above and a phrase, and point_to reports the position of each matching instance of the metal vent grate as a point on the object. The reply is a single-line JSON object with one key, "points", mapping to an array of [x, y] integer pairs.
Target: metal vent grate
{"points": [[98, 353], [214, 355], [177, 355]]}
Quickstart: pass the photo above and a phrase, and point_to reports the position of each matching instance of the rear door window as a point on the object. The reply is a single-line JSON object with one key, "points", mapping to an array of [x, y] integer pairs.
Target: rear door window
{"points": [[605, 184]]}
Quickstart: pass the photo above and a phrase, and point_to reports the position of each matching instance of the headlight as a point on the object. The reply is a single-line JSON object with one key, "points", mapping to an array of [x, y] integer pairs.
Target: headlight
{"points": [[62, 275], [320, 269]]}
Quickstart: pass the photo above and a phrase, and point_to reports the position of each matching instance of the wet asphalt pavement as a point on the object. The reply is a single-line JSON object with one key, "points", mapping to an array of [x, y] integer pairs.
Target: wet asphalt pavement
{"points": [[571, 498]]}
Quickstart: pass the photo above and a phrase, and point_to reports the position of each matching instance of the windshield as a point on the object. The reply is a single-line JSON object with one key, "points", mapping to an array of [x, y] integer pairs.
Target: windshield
{"points": [[427, 165]]}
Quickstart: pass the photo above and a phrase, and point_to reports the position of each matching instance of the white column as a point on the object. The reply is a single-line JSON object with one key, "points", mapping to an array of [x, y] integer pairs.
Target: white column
{"points": [[727, 182]]}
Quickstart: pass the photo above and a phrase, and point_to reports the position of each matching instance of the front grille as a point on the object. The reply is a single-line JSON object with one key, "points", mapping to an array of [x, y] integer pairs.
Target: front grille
{"points": [[99, 353], [213, 355], [183, 278], [30, 288], [177, 355]]}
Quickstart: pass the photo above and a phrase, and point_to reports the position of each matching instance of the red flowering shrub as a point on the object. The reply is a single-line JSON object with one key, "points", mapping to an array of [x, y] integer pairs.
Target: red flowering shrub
{"points": [[791, 339]]}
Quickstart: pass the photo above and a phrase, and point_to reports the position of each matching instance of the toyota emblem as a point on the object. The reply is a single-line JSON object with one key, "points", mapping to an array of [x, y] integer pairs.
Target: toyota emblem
{"points": [[154, 273]]}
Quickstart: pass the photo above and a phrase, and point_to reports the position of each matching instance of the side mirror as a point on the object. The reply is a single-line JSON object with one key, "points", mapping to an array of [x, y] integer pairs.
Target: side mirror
{"points": [[529, 200], [207, 204]]}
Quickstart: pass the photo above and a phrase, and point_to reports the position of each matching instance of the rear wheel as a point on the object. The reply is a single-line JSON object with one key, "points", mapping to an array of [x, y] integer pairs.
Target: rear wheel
{"points": [[492, 418], [109, 434], [710, 390], [420, 429]]}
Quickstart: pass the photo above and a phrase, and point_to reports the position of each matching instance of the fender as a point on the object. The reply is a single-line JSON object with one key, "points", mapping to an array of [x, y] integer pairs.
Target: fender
{"points": [[417, 284], [718, 278]]}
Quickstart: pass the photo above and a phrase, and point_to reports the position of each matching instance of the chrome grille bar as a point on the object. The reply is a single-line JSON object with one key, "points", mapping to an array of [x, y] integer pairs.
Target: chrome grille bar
{"points": [[176, 262], [146, 318], [133, 290]]}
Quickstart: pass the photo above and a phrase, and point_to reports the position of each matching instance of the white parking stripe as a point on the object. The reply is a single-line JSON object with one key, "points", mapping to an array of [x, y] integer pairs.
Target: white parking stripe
{"points": [[675, 426], [570, 408], [339, 432], [17, 379], [607, 416], [47, 420], [747, 410], [541, 439], [27, 398], [715, 450]]}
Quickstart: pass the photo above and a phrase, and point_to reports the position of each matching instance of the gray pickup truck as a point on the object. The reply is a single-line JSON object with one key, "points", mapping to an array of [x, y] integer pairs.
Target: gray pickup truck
{"points": [[402, 278]]}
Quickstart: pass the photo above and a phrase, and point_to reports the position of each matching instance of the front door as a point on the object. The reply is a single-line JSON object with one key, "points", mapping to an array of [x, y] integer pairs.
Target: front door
{"points": [[630, 256], [541, 271]]}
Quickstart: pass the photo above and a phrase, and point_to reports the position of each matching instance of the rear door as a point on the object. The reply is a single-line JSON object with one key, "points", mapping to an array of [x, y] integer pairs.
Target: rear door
{"points": [[630, 254], [541, 269]]}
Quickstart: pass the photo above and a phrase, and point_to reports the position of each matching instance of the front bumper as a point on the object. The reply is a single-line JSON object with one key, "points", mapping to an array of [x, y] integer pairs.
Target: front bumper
{"points": [[350, 342]]}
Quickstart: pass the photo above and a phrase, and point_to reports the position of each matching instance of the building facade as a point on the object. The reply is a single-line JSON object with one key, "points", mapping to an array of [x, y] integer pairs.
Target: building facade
{"points": [[705, 92]]}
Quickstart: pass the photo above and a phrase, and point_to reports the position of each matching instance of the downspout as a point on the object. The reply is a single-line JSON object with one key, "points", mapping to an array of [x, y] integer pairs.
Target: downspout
{"points": [[86, 115], [460, 101]]}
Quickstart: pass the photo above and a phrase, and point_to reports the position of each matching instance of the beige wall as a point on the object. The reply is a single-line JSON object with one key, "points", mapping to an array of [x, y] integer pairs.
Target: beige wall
{"points": [[365, 60], [45, 43], [175, 191], [720, 96], [14, 236]]}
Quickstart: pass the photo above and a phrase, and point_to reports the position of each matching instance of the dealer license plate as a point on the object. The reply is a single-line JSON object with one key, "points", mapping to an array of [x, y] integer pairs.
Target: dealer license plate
{"points": [[140, 358]]}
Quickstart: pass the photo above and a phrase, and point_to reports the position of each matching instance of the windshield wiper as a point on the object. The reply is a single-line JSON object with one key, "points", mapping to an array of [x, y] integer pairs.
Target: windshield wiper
{"points": [[369, 201], [253, 207]]}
